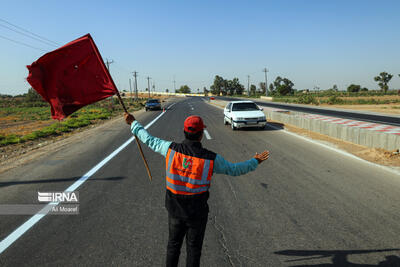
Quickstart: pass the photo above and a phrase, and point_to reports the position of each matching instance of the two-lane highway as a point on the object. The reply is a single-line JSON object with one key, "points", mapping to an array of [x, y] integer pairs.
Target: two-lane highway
{"points": [[306, 206], [340, 113]]}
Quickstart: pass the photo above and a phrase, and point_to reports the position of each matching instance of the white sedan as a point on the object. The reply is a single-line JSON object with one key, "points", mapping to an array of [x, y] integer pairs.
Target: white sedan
{"points": [[240, 114]]}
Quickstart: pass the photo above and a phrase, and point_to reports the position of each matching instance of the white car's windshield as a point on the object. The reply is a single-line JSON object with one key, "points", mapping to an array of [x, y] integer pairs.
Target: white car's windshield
{"points": [[244, 106]]}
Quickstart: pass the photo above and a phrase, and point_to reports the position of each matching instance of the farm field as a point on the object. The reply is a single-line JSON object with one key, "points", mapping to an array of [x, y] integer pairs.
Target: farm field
{"points": [[19, 124], [393, 109], [389, 104]]}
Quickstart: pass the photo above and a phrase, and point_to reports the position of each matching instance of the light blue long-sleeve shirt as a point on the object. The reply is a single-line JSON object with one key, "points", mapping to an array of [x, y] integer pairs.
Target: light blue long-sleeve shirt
{"points": [[221, 165]]}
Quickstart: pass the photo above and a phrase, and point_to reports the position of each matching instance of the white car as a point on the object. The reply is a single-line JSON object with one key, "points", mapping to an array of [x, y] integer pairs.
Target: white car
{"points": [[240, 114]]}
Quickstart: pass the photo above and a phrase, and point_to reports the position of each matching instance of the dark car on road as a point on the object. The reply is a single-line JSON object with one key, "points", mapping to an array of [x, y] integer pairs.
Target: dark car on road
{"points": [[152, 104]]}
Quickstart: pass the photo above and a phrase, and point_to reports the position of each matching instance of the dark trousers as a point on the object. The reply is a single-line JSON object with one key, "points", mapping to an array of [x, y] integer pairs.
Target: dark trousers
{"points": [[194, 230]]}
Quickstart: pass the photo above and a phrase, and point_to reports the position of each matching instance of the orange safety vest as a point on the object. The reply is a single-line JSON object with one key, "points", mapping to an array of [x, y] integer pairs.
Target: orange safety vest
{"points": [[187, 175]]}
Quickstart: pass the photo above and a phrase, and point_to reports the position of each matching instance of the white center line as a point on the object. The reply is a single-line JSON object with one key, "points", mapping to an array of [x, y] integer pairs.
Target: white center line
{"points": [[11, 238], [207, 135]]}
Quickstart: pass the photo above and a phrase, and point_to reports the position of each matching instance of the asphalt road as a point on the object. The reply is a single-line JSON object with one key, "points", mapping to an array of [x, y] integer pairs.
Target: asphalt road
{"points": [[306, 206], [354, 115]]}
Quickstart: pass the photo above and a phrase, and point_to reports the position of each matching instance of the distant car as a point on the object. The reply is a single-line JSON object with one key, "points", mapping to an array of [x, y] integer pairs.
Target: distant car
{"points": [[152, 104], [240, 114]]}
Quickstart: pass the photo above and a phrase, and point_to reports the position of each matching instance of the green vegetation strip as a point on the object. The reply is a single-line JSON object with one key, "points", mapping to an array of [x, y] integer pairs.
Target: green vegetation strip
{"points": [[334, 100], [81, 118]]}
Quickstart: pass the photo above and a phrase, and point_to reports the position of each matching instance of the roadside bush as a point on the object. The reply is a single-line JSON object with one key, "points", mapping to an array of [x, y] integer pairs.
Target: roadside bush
{"points": [[307, 99], [47, 131], [334, 100], [10, 139], [30, 136], [76, 123]]}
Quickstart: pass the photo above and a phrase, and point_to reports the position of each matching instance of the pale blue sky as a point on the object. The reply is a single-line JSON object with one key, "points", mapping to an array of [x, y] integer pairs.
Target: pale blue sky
{"points": [[313, 43]]}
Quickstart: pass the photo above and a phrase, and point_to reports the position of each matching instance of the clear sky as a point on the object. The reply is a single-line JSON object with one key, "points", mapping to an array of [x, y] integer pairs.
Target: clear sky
{"points": [[313, 43]]}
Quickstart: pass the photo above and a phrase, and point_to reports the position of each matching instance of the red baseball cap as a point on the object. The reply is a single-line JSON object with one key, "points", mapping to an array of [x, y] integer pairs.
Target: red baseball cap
{"points": [[193, 124]]}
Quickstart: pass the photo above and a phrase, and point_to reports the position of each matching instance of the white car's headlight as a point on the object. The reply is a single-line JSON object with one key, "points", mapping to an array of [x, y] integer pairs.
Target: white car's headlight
{"points": [[261, 118]]}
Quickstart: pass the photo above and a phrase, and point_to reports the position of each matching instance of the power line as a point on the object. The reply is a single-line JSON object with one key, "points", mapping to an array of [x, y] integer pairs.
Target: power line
{"points": [[22, 29], [34, 38], [21, 43]]}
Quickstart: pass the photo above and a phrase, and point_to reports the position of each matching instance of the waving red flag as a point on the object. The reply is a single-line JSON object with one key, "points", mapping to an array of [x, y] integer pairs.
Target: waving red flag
{"points": [[71, 77]]}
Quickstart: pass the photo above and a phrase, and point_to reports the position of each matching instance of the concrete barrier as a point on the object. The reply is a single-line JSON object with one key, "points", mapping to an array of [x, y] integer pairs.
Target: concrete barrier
{"points": [[364, 137], [268, 98]]}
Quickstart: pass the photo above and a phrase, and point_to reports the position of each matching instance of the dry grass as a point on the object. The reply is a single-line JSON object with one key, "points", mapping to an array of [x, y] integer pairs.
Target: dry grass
{"points": [[382, 108]]}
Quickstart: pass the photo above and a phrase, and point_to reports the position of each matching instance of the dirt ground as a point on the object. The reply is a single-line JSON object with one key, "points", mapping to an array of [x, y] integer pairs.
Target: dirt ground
{"points": [[9, 126], [14, 155], [383, 108], [375, 155], [17, 154]]}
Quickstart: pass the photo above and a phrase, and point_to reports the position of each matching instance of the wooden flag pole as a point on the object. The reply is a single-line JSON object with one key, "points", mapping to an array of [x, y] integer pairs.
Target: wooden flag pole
{"points": [[137, 142]]}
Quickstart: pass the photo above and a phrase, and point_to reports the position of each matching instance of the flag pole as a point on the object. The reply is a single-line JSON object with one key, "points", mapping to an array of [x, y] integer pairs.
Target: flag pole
{"points": [[137, 142]]}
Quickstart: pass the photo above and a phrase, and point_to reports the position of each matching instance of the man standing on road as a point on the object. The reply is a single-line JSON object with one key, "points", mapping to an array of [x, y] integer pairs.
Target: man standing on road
{"points": [[189, 168]]}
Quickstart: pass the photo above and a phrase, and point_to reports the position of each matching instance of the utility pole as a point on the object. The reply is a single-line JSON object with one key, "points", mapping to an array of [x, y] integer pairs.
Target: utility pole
{"points": [[108, 64], [136, 90], [148, 84], [108, 68], [266, 83], [248, 85], [174, 84], [130, 89], [154, 87]]}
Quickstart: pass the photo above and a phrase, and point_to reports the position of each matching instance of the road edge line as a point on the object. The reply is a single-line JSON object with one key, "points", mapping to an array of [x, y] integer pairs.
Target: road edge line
{"points": [[18, 232]]}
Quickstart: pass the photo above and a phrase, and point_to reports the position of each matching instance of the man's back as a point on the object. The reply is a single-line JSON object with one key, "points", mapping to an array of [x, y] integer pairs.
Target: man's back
{"points": [[188, 206]]}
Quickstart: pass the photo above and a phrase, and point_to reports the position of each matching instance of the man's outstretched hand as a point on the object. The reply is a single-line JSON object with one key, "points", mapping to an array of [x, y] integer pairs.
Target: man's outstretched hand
{"points": [[262, 157], [129, 118]]}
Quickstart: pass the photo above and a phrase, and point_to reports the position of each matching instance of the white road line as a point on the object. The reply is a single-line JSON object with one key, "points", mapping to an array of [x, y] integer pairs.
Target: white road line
{"points": [[208, 136], [11, 238]]}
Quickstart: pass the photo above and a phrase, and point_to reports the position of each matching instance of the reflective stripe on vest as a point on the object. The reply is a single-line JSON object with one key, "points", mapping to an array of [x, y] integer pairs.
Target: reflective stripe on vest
{"points": [[187, 175]]}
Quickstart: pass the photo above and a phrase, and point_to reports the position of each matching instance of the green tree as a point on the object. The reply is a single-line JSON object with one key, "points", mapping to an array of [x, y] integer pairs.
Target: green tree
{"points": [[353, 88], [253, 89], [224, 87], [237, 86], [262, 87], [166, 90], [335, 88], [216, 88], [232, 87], [205, 91], [33, 96], [184, 89], [383, 79], [283, 86], [272, 90]]}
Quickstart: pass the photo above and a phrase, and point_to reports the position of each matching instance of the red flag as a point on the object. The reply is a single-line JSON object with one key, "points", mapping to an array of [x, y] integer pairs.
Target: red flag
{"points": [[71, 77]]}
